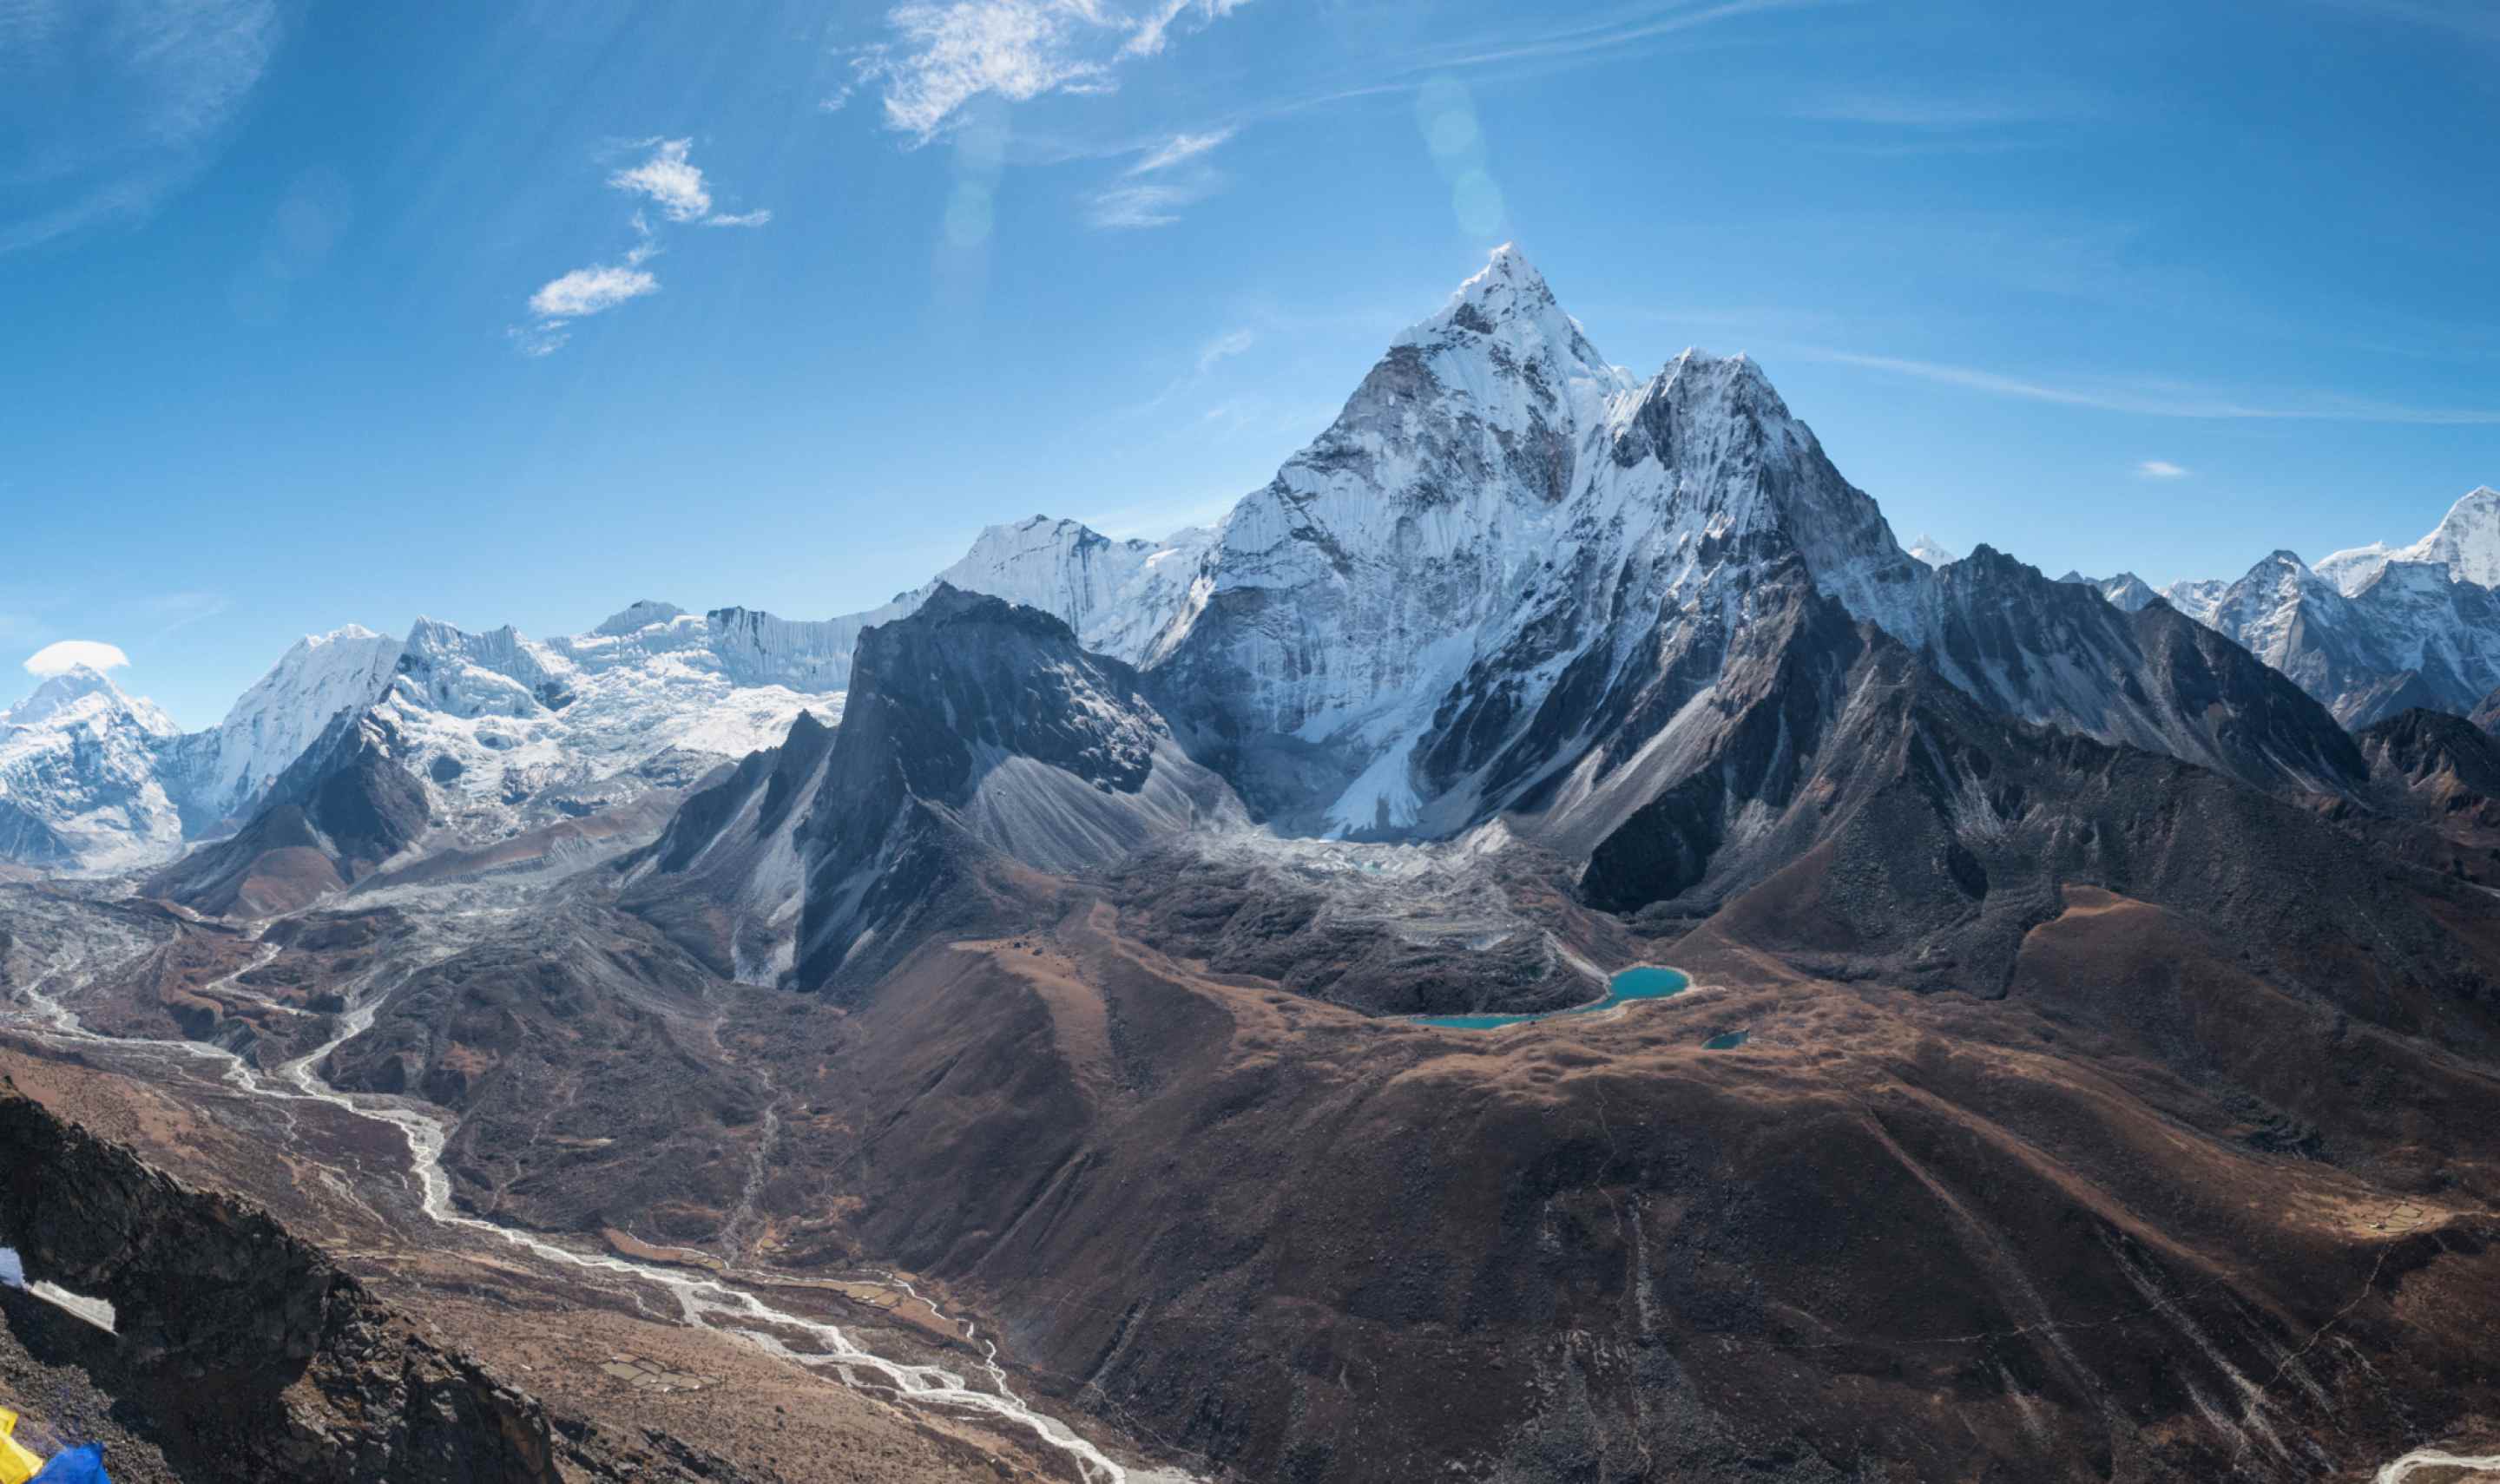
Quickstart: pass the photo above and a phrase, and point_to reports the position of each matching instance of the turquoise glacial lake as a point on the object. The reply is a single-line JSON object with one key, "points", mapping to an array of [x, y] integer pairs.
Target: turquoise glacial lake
{"points": [[1644, 982]]}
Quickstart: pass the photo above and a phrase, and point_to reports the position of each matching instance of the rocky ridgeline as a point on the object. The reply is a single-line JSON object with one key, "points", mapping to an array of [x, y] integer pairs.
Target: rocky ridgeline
{"points": [[252, 1355]]}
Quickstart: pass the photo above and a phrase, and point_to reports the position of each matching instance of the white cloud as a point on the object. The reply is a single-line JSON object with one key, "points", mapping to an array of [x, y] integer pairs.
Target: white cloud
{"points": [[1181, 176], [1229, 344], [1182, 147], [1148, 39], [70, 653], [673, 182], [948, 52], [2160, 468], [590, 290], [1131, 206], [110, 105]]}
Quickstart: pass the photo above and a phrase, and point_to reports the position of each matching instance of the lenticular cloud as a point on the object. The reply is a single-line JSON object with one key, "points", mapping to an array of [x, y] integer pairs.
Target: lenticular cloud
{"points": [[69, 654]]}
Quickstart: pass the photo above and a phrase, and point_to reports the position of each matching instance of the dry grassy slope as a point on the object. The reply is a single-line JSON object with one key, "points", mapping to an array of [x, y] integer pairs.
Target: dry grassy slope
{"points": [[2145, 1218], [760, 1417]]}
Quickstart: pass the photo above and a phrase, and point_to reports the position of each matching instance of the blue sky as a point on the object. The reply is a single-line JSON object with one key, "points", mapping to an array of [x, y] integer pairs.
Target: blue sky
{"points": [[518, 311]]}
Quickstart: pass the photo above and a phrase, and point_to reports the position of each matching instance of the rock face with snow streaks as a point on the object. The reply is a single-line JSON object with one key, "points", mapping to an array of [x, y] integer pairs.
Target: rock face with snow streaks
{"points": [[2465, 545], [979, 736], [2060, 654], [1497, 511], [219, 774], [80, 786], [2398, 630]]}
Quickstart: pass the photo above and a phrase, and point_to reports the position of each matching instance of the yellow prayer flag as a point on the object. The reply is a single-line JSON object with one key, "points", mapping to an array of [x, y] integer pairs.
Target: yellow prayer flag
{"points": [[17, 1464]]}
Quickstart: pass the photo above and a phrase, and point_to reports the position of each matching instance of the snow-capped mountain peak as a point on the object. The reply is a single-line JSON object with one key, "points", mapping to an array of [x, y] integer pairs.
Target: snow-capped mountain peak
{"points": [[1932, 552], [78, 783], [2466, 542], [82, 693]]}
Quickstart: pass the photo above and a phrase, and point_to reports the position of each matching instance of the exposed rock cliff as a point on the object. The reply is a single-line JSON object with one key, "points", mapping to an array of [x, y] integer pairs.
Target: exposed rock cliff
{"points": [[253, 1356]]}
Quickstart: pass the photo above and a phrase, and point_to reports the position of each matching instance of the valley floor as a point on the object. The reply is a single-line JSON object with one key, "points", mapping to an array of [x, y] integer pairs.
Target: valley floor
{"points": [[1220, 1230]]}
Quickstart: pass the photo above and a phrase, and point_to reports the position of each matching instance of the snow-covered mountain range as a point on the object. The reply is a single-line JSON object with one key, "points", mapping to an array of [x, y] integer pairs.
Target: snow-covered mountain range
{"points": [[2465, 543], [1510, 580], [503, 731], [2375, 630]]}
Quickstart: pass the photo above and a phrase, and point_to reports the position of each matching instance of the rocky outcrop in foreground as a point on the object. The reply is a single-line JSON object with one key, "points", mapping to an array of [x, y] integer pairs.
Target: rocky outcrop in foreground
{"points": [[252, 1355]]}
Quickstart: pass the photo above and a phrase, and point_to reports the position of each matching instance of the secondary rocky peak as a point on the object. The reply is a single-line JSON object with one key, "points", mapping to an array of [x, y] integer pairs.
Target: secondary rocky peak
{"points": [[948, 605], [640, 615], [1987, 561]]}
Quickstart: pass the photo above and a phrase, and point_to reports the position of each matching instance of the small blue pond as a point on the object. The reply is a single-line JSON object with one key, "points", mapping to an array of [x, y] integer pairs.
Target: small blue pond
{"points": [[1646, 983], [1728, 1042]]}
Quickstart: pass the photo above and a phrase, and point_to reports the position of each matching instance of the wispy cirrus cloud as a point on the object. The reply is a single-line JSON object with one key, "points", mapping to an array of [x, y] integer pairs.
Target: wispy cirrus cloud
{"points": [[2149, 397], [1130, 207], [945, 54], [1155, 25], [175, 611], [1181, 148], [2160, 468], [1231, 342], [111, 105], [1169, 177], [673, 185], [1610, 36], [1211, 353]]}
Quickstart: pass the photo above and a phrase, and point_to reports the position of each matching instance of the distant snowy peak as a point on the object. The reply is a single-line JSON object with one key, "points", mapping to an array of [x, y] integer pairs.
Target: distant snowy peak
{"points": [[1117, 595], [2197, 598], [82, 697], [221, 773], [2466, 544], [2409, 634], [507, 732], [2127, 591], [1932, 552], [79, 777]]}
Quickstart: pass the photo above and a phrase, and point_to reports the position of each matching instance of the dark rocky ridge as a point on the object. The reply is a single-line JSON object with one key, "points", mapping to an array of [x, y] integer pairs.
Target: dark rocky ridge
{"points": [[2060, 653], [977, 737], [337, 813], [723, 880], [1938, 832], [255, 1358]]}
